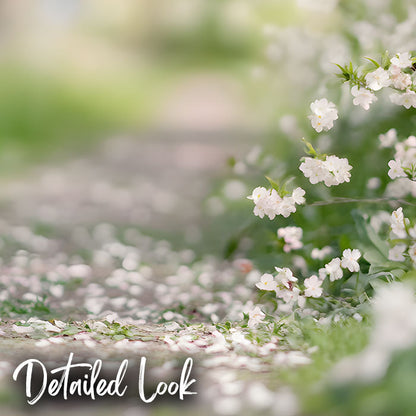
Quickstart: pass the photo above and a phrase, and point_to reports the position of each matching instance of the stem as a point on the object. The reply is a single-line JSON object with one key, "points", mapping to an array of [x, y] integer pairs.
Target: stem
{"points": [[341, 200]]}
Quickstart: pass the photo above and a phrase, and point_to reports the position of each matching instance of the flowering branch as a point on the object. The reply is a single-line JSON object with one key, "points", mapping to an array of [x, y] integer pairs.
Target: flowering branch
{"points": [[341, 200]]}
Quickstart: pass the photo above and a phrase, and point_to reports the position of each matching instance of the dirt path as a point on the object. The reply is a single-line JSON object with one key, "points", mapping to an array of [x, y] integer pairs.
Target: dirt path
{"points": [[81, 275]]}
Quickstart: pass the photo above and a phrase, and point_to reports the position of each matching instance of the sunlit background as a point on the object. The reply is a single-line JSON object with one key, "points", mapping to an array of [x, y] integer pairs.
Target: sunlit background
{"points": [[74, 73], [105, 101], [131, 132]]}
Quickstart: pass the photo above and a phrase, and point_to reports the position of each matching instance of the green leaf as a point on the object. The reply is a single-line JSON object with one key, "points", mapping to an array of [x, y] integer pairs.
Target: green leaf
{"points": [[365, 279], [385, 60], [309, 148], [377, 65], [231, 247], [409, 275], [374, 257], [146, 339], [71, 330], [344, 73], [273, 183], [287, 182], [368, 235]]}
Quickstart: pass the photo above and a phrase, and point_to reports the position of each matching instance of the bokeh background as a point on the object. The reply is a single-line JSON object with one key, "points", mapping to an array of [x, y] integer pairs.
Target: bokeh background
{"points": [[76, 73], [132, 118], [167, 95]]}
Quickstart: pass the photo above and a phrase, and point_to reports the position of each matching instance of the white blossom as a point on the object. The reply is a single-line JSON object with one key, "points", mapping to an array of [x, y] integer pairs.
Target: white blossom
{"points": [[256, 316], [301, 301], [400, 188], [286, 206], [363, 97], [396, 253], [373, 183], [298, 196], [267, 282], [320, 254], [334, 270], [292, 237], [21, 329], [289, 296], [412, 232], [399, 79], [412, 252], [339, 167], [332, 171], [324, 113], [265, 201], [406, 152], [349, 259], [402, 60], [404, 158], [410, 141], [322, 273], [285, 277], [314, 170], [397, 222], [406, 99], [378, 79], [395, 317], [388, 139], [396, 170], [313, 287]]}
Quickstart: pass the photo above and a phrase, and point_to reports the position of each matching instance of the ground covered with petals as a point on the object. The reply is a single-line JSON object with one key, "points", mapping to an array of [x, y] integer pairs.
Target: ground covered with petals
{"points": [[108, 289]]}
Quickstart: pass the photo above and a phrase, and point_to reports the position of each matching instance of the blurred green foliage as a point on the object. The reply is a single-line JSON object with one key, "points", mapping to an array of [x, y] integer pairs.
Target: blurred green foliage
{"points": [[42, 114]]}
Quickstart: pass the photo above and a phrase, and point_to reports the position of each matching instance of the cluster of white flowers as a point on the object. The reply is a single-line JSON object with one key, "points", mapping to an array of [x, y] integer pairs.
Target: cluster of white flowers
{"points": [[394, 76], [402, 60], [334, 268], [324, 113], [400, 188], [286, 287], [332, 171], [401, 229], [292, 237], [404, 163], [399, 79], [269, 203], [406, 99]]}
